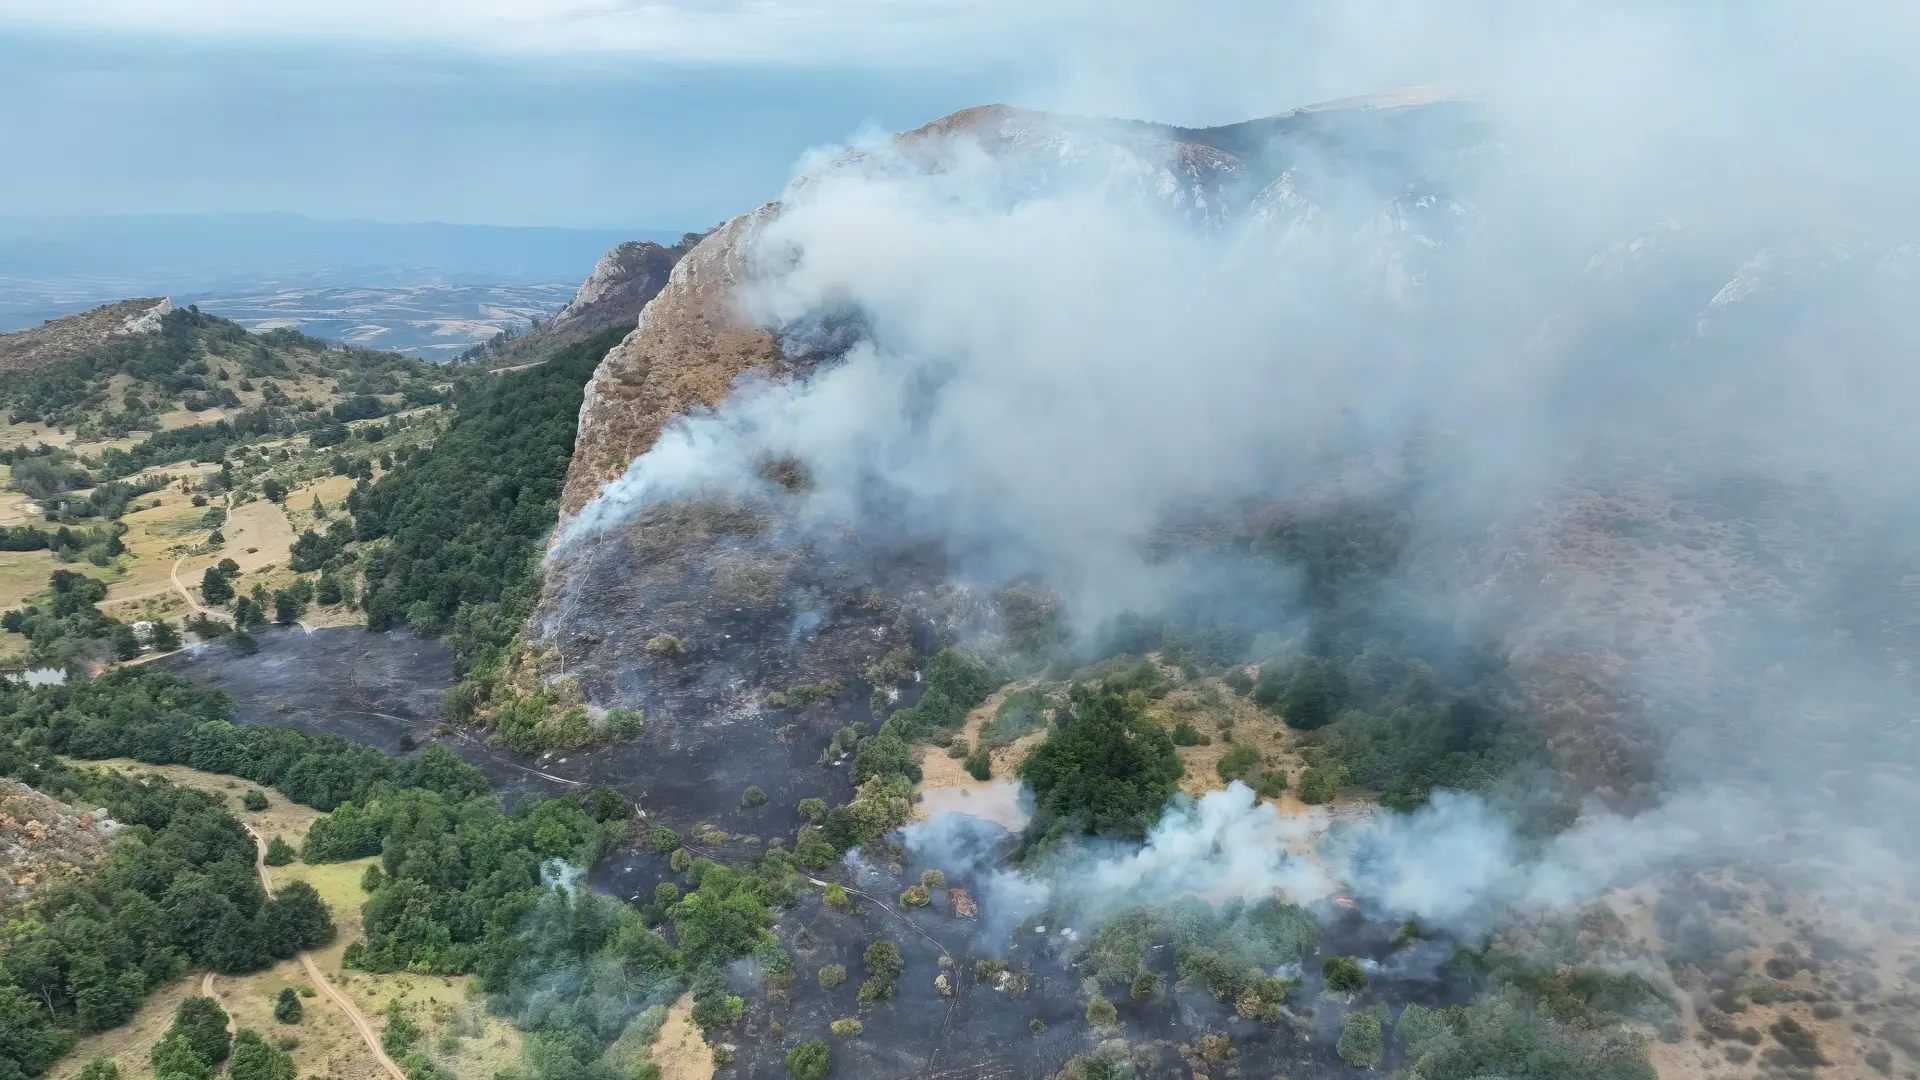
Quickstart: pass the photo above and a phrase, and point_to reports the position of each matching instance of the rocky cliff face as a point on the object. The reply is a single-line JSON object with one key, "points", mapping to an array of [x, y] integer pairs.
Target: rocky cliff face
{"points": [[620, 286], [693, 342], [688, 348]]}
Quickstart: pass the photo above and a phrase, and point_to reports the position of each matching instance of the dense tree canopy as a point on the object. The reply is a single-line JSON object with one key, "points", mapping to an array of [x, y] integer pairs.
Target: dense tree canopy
{"points": [[1107, 769]]}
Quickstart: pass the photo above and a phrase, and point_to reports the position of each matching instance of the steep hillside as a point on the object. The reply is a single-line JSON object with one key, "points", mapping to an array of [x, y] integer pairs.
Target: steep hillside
{"points": [[1407, 147], [622, 283]]}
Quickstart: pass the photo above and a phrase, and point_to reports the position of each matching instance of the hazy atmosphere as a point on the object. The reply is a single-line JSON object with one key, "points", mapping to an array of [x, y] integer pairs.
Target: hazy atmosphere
{"points": [[588, 540]]}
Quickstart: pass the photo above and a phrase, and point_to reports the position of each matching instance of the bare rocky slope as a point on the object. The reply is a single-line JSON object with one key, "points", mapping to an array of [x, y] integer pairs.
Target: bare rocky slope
{"points": [[45, 843], [59, 339]]}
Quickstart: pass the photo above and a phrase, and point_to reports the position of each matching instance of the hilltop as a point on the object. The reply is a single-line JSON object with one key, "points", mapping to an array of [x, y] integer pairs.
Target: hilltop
{"points": [[74, 335]]}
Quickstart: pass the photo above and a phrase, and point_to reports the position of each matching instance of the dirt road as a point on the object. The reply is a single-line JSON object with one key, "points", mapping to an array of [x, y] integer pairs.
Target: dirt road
{"points": [[320, 982]]}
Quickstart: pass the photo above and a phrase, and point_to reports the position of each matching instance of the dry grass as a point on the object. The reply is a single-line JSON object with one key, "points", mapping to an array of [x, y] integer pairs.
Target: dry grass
{"points": [[127, 1045], [282, 817], [681, 1051], [945, 784], [12, 435]]}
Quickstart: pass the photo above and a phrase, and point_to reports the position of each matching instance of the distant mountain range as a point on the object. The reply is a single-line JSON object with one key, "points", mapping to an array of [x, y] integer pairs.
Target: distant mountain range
{"points": [[406, 286]]}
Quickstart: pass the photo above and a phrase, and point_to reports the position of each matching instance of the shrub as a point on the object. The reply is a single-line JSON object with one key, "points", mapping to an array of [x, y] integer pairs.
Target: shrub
{"points": [[623, 723], [1101, 1013], [978, 764], [832, 975], [813, 810], [874, 990], [681, 861], [666, 647], [883, 960], [847, 1028], [1270, 784], [1185, 734], [286, 1007], [372, 878], [203, 1024], [1145, 985], [1360, 1041], [836, 897], [753, 796], [664, 839], [810, 1060], [279, 852], [400, 1033], [1214, 1046], [1320, 783], [933, 879], [1343, 975], [254, 799], [916, 896], [1036, 1025], [1237, 762], [718, 1010]]}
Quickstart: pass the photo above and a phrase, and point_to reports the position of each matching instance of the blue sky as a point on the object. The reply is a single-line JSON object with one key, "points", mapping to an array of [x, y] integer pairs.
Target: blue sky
{"points": [[404, 133], [679, 113]]}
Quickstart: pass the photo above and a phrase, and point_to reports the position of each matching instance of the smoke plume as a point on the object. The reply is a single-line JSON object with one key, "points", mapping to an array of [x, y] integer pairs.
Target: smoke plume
{"points": [[1643, 393]]}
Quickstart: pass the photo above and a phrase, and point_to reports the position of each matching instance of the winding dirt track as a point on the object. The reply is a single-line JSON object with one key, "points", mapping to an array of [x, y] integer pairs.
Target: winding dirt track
{"points": [[319, 980]]}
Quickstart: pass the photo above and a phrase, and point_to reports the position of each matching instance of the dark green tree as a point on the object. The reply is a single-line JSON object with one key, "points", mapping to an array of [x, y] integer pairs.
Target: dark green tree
{"points": [[286, 1007], [811, 1060], [203, 1023], [256, 1059], [1108, 769]]}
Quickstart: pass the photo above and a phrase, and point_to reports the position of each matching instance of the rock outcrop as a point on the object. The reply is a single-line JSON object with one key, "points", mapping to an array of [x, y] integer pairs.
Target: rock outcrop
{"points": [[689, 347], [620, 286], [692, 343], [60, 339], [44, 842]]}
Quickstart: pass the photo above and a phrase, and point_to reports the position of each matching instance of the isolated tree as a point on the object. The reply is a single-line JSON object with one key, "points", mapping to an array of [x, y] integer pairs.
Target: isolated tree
{"points": [[279, 852], [296, 916], [203, 1023], [214, 586], [287, 607], [1361, 1044], [287, 1008], [254, 799], [811, 1060], [1108, 769], [163, 636], [1343, 975]]}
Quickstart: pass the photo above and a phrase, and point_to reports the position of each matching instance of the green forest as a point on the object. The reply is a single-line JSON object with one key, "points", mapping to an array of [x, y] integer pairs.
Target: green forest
{"points": [[464, 884], [464, 519]]}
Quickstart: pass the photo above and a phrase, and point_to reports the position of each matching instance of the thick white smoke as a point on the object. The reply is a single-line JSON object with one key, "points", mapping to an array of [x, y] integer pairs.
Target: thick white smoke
{"points": [[1062, 345]]}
